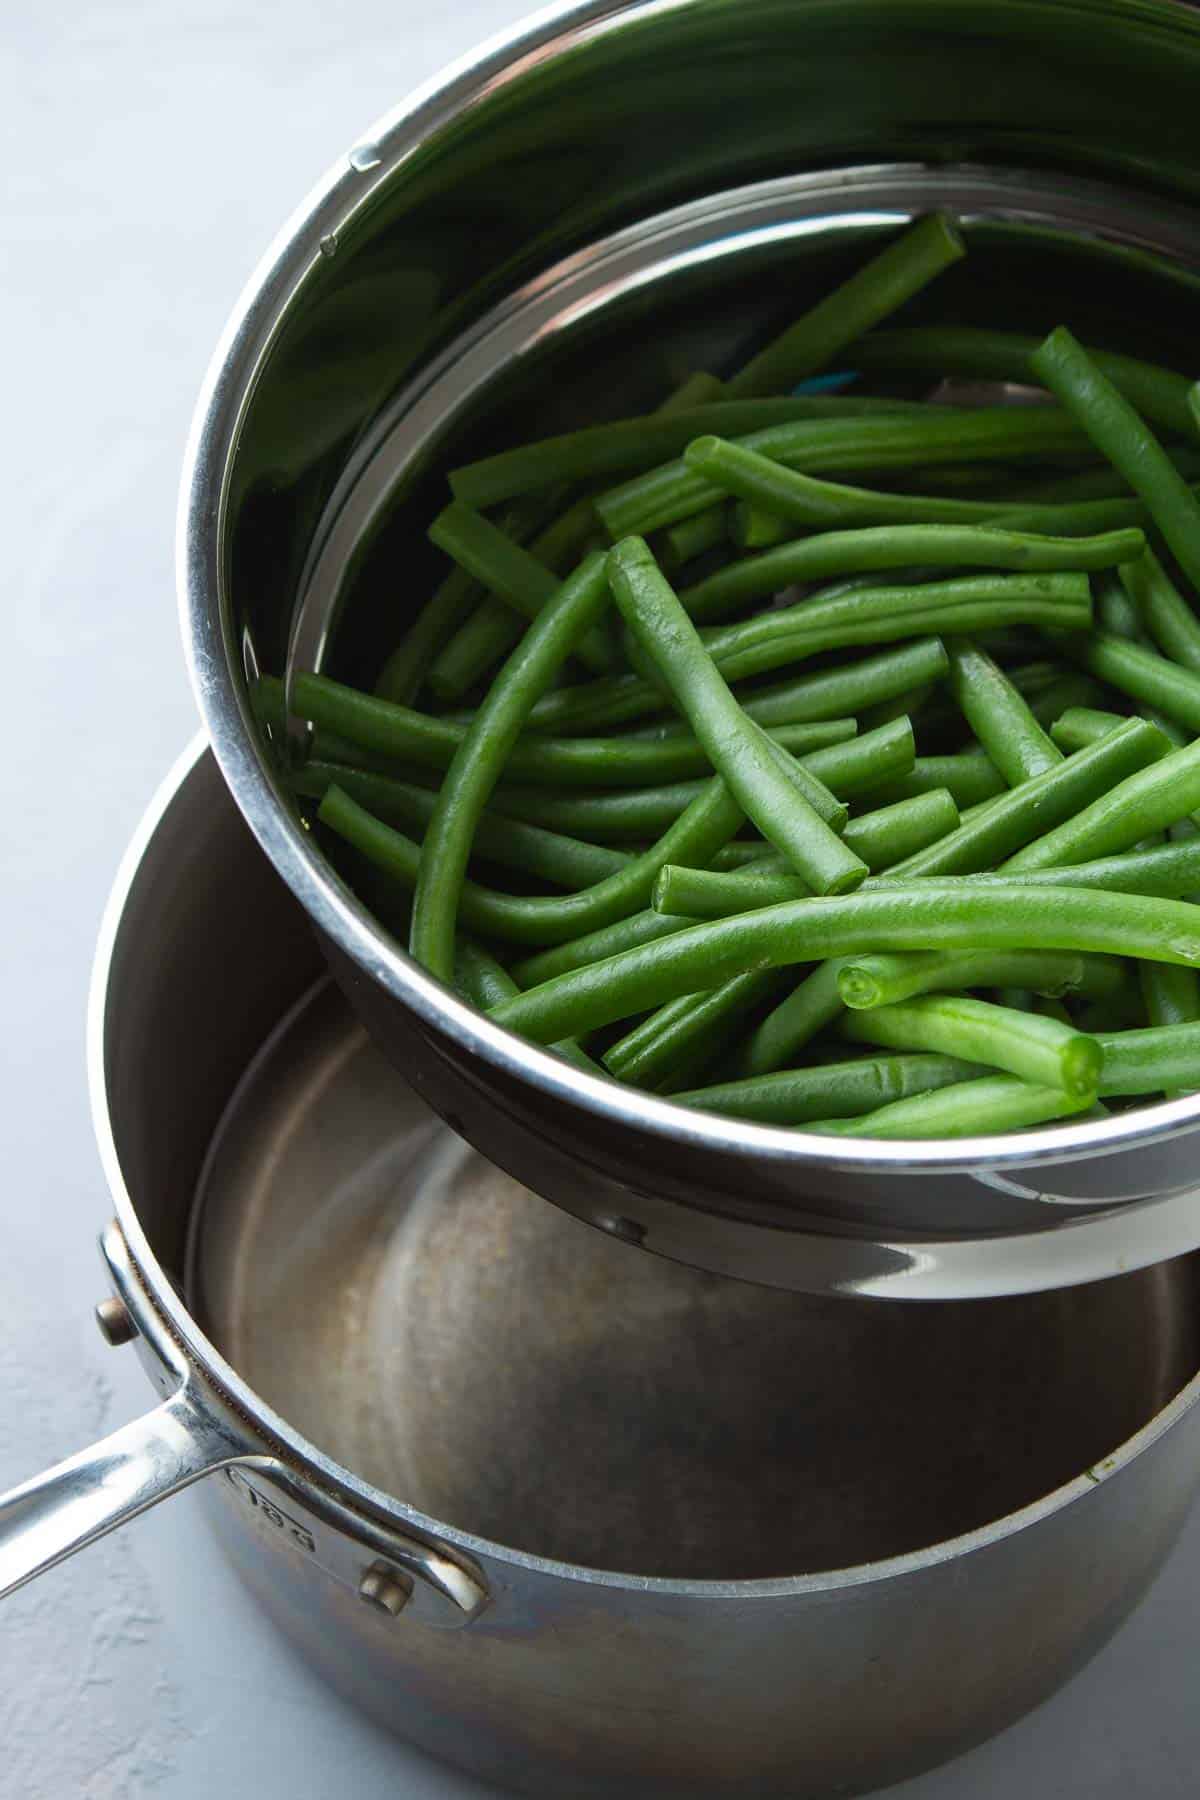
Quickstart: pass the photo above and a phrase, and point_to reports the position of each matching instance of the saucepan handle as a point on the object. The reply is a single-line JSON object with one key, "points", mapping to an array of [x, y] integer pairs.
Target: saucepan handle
{"points": [[78, 1501]]}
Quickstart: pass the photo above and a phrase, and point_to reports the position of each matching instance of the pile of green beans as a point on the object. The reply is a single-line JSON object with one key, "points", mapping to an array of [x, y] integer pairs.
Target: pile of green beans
{"points": [[829, 761]]}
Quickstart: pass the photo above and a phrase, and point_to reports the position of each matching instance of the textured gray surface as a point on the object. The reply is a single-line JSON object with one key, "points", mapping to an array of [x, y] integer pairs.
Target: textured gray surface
{"points": [[151, 154]]}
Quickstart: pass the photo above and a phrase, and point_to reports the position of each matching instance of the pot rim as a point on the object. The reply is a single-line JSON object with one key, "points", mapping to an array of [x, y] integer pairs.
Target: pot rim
{"points": [[223, 401], [312, 1465]]}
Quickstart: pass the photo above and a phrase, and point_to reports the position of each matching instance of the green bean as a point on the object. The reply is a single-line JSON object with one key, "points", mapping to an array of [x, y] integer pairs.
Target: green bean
{"points": [[890, 833], [869, 981], [969, 777], [1116, 428], [1193, 401], [870, 616], [998, 716], [567, 861], [969, 1109], [486, 746], [741, 853], [432, 743], [875, 615], [1142, 674], [683, 543], [494, 628], [1081, 726], [1155, 1059], [509, 571], [829, 505], [1170, 997], [899, 546], [1170, 871], [734, 744], [764, 468], [906, 266], [679, 489], [543, 919], [880, 837], [911, 706], [1028, 811], [918, 916], [1145, 802], [1160, 394], [1070, 691], [627, 934], [626, 446], [606, 818], [404, 672], [812, 1004], [828, 694], [481, 980], [828, 1090], [1116, 612], [1162, 609], [1037, 1049], [684, 1035]]}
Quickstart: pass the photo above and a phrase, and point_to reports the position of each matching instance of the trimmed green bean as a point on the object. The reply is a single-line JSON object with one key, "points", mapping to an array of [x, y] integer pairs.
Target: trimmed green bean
{"points": [[1116, 612], [629, 445], [998, 715], [995, 1103], [683, 1036], [831, 505], [969, 777], [1169, 871], [875, 615], [1162, 609], [828, 694], [544, 919], [1145, 802], [734, 744], [567, 861], [1160, 394], [1081, 726], [576, 762], [1026, 812], [879, 288], [704, 474], [494, 628], [1155, 1059], [916, 916], [812, 1004], [482, 981], [627, 934], [683, 543], [890, 833], [509, 571], [1170, 997], [403, 674], [1141, 674], [900, 546], [1037, 1049], [828, 1090], [869, 981], [477, 762], [1064, 366]]}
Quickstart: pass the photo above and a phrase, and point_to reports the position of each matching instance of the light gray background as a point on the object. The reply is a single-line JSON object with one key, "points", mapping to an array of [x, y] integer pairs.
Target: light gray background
{"points": [[152, 152]]}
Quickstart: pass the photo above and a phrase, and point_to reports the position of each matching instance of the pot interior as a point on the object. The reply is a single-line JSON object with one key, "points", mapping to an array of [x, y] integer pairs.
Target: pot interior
{"points": [[446, 1335]]}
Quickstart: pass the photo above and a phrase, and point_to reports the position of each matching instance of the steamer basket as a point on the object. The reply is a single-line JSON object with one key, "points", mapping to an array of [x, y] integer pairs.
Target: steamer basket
{"points": [[617, 195]]}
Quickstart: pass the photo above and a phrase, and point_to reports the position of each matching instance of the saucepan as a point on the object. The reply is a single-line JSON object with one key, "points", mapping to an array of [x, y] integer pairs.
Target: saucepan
{"points": [[578, 1520], [618, 192]]}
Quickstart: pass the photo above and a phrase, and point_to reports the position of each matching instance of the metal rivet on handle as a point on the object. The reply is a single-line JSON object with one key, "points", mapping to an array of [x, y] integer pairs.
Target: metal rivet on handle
{"points": [[383, 1589], [115, 1322]]}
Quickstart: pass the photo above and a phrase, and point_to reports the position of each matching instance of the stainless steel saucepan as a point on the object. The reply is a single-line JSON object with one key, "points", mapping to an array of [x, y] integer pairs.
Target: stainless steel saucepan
{"points": [[582, 1522], [617, 194]]}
